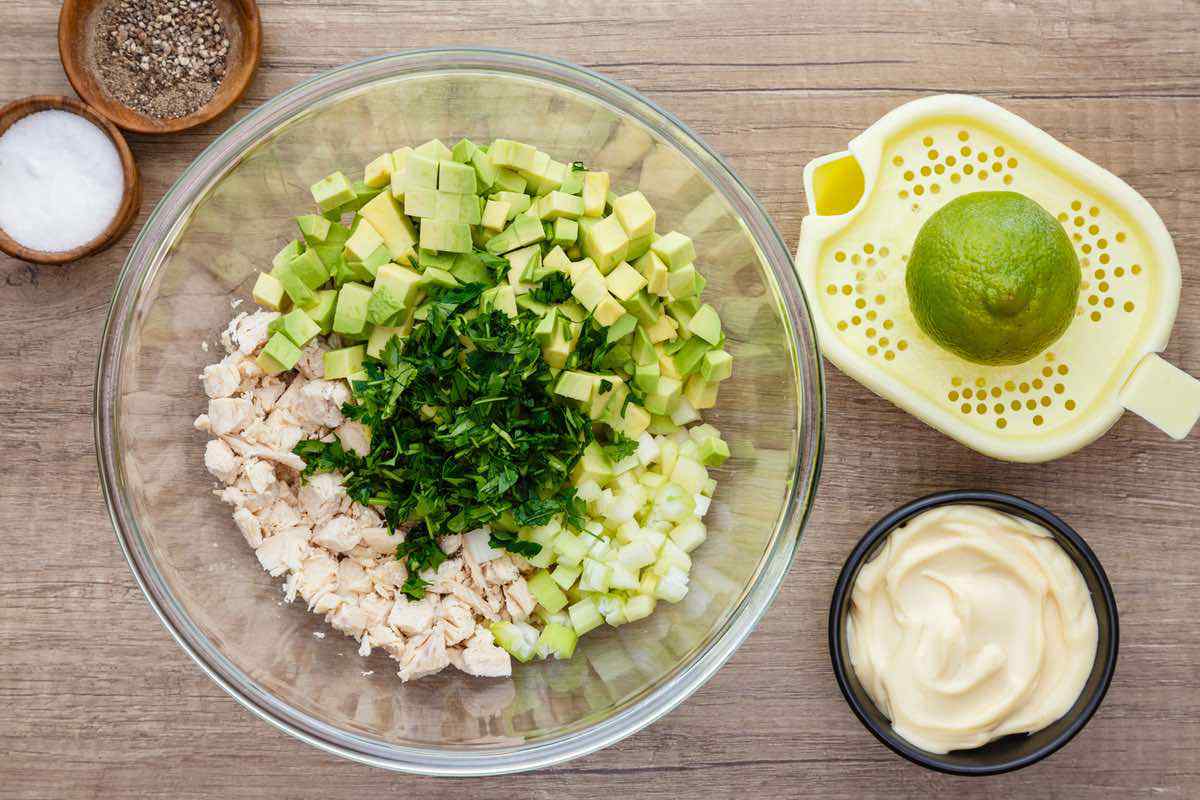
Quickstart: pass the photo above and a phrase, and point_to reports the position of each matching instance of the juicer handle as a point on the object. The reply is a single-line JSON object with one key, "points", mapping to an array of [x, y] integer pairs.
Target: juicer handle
{"points": [[1163, 395]]}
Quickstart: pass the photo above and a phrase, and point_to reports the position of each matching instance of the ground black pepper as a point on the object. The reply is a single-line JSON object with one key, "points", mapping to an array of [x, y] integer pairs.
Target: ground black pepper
{"points": [[164, 58]]}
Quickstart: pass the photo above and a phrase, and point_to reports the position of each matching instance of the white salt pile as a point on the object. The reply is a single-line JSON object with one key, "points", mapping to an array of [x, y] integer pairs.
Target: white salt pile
{"points": [[61, 181]]}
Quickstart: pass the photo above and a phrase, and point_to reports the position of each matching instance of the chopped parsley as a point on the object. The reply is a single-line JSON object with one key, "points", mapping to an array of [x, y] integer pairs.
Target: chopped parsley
{"points": [[464, 429], [554, 288]]}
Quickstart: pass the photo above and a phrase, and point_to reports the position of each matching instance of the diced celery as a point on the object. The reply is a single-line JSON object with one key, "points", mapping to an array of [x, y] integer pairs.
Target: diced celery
{"points": [[689, 534], [565, 576], [584, 616], [595, 576], [517, 638], [557, 640], [672, 586], [639, 606], [546, 591]]}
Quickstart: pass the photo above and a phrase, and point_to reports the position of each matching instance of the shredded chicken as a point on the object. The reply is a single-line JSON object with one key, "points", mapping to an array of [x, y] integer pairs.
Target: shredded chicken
{"points": [[332, 553]]}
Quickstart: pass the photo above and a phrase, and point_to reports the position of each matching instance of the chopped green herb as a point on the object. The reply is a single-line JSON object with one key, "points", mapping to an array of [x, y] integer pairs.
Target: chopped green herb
{"points": [[555, 288], [620, 448]]}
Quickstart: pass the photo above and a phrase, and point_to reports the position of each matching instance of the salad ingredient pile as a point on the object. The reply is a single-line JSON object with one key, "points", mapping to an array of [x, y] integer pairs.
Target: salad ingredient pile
{"points": [[464, 423], [969, 625]]}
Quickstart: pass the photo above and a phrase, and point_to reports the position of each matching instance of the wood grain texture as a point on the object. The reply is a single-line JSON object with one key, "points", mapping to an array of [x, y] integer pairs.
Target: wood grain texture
{"points": [[97, 701]]}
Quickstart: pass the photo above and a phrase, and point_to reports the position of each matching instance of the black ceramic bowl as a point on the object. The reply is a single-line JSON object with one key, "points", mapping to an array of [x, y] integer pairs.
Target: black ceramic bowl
{"points": [[1011, 752]]}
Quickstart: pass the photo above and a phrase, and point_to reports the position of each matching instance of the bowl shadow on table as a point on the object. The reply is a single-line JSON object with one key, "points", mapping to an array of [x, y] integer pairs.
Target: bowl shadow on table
{"points": [[244, 217]]}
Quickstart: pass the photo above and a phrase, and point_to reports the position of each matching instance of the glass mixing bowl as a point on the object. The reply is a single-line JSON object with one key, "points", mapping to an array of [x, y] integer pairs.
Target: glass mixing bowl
{"points": [[225, 217]]}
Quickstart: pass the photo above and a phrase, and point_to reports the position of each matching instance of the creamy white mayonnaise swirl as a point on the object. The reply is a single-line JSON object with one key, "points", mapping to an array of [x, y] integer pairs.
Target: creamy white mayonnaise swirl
{"points": [[968, 625]]}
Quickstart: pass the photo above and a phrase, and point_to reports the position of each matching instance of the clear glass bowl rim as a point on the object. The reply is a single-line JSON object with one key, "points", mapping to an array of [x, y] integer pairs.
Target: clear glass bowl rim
{"points": [[173, 210]]}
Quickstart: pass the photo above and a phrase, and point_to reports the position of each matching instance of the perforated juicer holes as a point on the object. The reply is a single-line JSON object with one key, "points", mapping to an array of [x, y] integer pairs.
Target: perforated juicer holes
{"points": [[1099, 289], [867, 315], [955, 162], [1029, 396]]}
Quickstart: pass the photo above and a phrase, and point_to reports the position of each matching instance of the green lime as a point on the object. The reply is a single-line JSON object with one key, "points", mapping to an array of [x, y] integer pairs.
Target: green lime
{"points": [[993, 278]]}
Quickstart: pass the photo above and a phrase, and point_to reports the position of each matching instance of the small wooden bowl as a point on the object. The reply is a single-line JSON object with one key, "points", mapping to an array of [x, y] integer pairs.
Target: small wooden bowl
{"points": [[131, 202], [75, 48]]}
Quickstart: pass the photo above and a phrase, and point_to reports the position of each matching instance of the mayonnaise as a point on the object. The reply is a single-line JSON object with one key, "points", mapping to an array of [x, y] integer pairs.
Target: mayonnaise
{"points": [[969, 625]]}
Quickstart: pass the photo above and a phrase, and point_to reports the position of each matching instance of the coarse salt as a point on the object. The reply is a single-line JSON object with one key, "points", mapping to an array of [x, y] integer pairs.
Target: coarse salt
{"points": [[61, 181]]}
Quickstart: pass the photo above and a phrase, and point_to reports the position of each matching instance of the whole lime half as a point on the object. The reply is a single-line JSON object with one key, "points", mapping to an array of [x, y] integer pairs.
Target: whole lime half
{"points": [[993, 278]]}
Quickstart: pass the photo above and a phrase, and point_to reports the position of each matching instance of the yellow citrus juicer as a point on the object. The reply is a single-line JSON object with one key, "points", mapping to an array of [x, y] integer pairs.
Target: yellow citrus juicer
{"points": [[867, 204]]}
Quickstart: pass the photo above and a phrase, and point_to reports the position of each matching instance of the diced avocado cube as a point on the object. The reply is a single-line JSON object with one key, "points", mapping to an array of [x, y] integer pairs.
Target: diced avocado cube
{"points": [[449, 205], [706, 324], [344, 362], [593, 465], [421, 203], [283, 350], [683, 310], [495, 214], [399, 168], [713, 451], [659, 401], [688, 357], [308, 268], [350, 315], [509, 181], [446, 236], [350, 269], [362, 195], [332, 191], [435, 276], [463, 150], [432, 258], [364, 241], [298, 327], [625, 281], [575, 385], [639, 247], [663, 329], [654, 270], [557, 205], [716, 366], [556, 261], [518, 203], [631, 419], [547, 593], [544, 330], [499, 298], [523, 231], [682, 282], [329, 248], [289, 251], [595, 192], [402, 282], [675, 249], [621, 328], [470, 209], [269, 365], [320, 311], [635, 214], [566, 231], [420, 172], [378, 173], [396, 229], [608, 310], [523, 266], [700, 393], [541, 162], [456, 177], [383, 306], [573, 180], [645, 376], [589, 291], [549, 178], [643, 351], [312, 227], [643, 306], [469, 268], [610, 392], [296, 289], [514, 155], [605, 243], [572, 311], [380, 336], [526, 302], [435, 150], [268, 292], [485, 170], [558, 349]]}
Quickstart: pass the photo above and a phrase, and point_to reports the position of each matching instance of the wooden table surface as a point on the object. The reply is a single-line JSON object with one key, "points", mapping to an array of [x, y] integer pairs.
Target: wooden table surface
{"points": [[97, 701]]}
